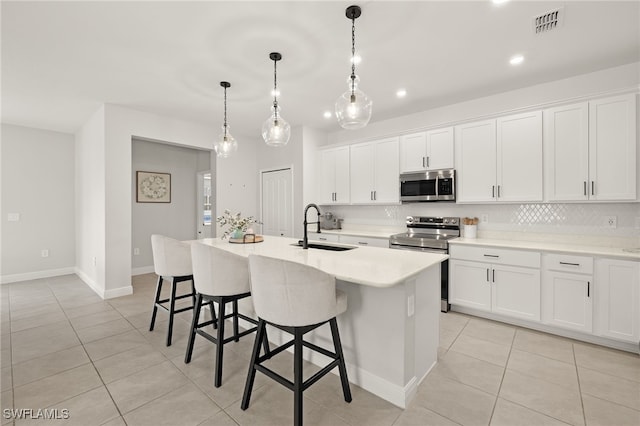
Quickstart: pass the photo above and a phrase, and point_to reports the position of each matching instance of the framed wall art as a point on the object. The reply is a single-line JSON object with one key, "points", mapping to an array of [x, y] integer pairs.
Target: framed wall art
{"points": [[153, 187]]}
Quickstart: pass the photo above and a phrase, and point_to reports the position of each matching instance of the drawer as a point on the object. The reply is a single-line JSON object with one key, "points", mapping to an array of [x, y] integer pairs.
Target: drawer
{"points": [[568, 263], [364, 241], [498, 256], [332, 238]]}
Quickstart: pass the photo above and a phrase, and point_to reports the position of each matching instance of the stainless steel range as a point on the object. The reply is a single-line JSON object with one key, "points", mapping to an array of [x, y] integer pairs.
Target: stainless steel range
{"points": [[431, 235]]}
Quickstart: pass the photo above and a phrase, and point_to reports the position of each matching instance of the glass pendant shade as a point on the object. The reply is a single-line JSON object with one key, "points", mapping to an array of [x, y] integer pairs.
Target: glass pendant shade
{"points": [[353, 107], [275, 130], [226, 144]]}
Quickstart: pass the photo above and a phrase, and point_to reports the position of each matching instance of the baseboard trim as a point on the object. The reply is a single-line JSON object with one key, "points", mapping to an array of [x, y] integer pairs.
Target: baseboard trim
{"points": [[142, 270], [118, 292], [48, 273], [90, 282]]}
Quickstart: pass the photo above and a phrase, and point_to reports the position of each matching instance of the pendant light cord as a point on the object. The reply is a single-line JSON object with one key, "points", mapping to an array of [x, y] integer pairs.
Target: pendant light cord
{"points": [[353, 55], [225, 112], [275, 91]]}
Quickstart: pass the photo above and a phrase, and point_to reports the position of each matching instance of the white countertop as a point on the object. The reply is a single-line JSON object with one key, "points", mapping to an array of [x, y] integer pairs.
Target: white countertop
{"points": [[550, 246], [371, 266]]}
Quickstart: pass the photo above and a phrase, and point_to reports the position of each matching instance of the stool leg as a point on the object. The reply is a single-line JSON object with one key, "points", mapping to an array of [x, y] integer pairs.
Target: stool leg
{"points": [[194, 327], [172, 308], [213, 315], [341, 365], [236, 331], [265, 342], [251, 376], [217, 380], [155, 303], [193, 292], [297, 378]]}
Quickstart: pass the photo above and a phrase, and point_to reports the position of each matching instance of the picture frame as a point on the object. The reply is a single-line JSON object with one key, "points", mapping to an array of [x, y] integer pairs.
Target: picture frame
{"points": [[153, 187]]}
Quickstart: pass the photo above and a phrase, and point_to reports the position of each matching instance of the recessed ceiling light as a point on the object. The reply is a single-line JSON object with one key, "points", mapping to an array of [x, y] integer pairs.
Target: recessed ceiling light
{"points": [[328, 114], [401, 93], [356, 59], [516, 60]]}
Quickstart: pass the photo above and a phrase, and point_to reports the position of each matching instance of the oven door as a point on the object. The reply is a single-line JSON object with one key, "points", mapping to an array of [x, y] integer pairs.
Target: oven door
{"points": [[418, 189]]}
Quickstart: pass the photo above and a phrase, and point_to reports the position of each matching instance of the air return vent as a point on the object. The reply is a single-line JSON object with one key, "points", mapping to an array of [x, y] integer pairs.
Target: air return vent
{"points": [[548, 21]]}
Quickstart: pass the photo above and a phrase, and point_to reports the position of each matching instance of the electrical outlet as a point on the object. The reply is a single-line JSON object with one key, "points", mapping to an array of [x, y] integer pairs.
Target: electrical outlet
{"points": [[610, 221], [94, 260], [13, 217], [136, 251], [484, 218], [44, 253]]}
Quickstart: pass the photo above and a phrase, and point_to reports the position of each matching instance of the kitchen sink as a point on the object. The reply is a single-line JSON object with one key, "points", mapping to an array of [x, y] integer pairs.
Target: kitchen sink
{"points": [[322, 246], [632, 250]]}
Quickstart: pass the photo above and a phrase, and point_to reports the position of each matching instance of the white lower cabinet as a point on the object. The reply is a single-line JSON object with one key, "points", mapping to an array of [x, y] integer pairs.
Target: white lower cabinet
{"points": [[618, 299], [567, 292], [512, 290]]}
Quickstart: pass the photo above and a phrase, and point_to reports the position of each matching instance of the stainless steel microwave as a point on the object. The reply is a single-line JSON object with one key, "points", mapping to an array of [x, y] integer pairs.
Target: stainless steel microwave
{"points": [[432, 185]]}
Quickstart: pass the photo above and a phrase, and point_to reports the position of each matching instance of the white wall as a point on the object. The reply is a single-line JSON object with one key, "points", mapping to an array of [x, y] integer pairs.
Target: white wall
{"points": [[176, 219], [107, 154], [38, 184]]}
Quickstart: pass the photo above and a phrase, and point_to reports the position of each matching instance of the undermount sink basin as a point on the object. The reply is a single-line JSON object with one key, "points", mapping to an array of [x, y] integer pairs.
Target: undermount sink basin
{"points": [[322, 246], [632, 250]]}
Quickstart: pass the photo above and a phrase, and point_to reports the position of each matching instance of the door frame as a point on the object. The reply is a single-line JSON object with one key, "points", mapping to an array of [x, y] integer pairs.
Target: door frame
{"points": [[261, 172], [200, 203]]}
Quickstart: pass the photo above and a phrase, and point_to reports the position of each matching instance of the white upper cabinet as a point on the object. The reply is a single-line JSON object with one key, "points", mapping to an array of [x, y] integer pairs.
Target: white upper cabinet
{"points": [[374, 172], [334, 176], [500, 160], [591, 150], [612, 148], [430, 150], [476, 161], [519, 172]]}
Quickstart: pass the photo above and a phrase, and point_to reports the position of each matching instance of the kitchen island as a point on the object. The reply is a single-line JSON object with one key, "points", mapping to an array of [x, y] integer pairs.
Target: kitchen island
{"points": [[390, 331]]}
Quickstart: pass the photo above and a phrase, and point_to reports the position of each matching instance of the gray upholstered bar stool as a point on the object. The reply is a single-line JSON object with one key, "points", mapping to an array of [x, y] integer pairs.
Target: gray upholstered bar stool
{"points": [[171, 261], [297, 299], [220, 277]]}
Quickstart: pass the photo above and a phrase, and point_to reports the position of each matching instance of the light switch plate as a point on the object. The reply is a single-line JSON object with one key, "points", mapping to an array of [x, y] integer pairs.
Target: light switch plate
{"points": [[13, 217]]}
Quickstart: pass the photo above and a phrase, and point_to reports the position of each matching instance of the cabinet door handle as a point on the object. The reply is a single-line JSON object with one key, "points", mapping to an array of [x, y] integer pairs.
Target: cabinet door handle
{"points": [[593, 187], [427, 161], [375, 195], [588, 289], [423, 162], [487, 274], [371, 195], [585, 187], [494, 275], [493, 191], [569, 264], [491, 255], [498, 191]]}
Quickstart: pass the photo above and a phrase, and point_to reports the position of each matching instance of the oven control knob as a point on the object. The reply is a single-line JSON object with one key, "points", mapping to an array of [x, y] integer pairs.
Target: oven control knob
{"points": [[410, 220], [446, 221], [454, 221]]}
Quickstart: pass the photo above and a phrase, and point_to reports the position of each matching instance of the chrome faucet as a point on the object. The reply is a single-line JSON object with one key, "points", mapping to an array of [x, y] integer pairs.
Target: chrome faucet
{"points": [[305, 240]]}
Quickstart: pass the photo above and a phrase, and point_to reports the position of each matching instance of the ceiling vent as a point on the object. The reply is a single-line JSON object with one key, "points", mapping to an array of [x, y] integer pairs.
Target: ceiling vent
{"points": [[548, 21]]}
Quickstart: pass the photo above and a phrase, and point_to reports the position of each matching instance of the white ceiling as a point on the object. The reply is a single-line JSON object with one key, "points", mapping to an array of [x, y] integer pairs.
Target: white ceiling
{"points": [[61, 60]]}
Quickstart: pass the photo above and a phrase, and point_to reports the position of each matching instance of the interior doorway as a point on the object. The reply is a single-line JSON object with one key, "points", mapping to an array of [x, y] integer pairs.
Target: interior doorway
{"points": [[204, 206], [276, 201]]}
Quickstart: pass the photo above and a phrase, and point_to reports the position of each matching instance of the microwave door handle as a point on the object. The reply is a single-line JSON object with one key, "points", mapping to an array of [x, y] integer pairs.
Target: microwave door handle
{"points": [[437, 186]]}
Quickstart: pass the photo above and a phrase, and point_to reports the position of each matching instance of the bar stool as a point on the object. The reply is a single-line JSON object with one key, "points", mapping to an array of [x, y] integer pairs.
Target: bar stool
{"points": [[220, 277], [296, 299], [171, 261]]}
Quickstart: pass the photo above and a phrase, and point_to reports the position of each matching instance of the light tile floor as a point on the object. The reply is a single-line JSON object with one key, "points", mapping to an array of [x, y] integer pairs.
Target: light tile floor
{"points": [[63, 347]]}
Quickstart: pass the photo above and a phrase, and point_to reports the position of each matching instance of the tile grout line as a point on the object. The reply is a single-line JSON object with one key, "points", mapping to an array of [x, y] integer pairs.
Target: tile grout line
{"points": [[504, 373], [584, 415]]}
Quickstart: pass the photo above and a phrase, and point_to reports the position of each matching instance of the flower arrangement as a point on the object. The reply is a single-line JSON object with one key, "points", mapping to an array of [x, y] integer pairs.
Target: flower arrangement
{"points": [[236, 224]]}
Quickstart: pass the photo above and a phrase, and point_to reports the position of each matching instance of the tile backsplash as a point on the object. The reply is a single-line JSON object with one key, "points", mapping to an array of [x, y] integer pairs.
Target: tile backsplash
{"points": [[577, 219]]}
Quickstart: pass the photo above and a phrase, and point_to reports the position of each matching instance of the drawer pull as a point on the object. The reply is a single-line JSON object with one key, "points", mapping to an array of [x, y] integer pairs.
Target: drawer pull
{"points": [[570, 264], [322, 239], [363, 243], [491, 255]]}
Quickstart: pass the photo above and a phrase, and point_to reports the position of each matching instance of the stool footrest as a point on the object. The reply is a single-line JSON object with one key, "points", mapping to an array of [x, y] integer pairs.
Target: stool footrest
{"points": [[323, 351], [213, 339]]}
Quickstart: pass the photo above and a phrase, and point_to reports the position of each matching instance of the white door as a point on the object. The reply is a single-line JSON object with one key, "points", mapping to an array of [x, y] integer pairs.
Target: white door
{"points": [[470, 284], [387, 188], [568, 301], [519, 157], [612, 148], [362, 168], [516, 292], [440, 149], [342, 175], [566, 146], [277, 203], [475, 154], [204, 208], [413, 152]]}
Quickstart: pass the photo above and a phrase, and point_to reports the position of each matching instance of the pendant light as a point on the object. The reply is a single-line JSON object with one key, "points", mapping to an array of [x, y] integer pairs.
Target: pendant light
{"points": [[275, 130], [226, 144], [353, 107]]}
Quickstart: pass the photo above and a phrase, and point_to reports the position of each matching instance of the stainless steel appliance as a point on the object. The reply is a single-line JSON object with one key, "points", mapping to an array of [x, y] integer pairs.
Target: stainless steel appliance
{"points": [[431, 235], [432, 185]]}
